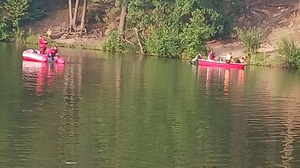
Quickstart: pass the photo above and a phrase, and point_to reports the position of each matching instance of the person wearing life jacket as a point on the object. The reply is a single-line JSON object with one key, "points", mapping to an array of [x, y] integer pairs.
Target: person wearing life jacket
{"points": [[52, 52], [211, 55], [42, 44], [228, 58], [241, 59]]}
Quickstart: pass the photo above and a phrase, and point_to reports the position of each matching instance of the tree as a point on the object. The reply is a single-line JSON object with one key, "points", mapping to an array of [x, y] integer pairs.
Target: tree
{"points": [[75, 13], [251, 38], [73, 16], [15, 10], [4, 33], [70, 15], [82, 24], [122, 17]]}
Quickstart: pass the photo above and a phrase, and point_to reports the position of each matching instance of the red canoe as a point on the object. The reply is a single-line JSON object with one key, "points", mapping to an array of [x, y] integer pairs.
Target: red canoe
{"points": [[33, 55], [202, 62]]}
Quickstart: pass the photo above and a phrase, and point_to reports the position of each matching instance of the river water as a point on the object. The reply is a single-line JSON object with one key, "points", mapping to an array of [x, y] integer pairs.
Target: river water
{"points": [[120, 110]]}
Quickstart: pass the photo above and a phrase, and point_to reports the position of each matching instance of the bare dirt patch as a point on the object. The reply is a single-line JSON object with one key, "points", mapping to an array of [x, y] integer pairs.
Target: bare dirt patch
{"points": [[276, 19]]}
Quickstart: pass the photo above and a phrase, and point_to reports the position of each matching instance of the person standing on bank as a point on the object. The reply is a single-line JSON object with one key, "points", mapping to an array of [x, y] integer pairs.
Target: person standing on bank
{"points": [[42, 44], [49, 32]]}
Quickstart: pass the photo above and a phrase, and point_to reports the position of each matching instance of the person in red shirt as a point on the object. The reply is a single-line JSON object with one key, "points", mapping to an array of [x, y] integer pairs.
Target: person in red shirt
{"points": [[52, 52], [43, 44]]}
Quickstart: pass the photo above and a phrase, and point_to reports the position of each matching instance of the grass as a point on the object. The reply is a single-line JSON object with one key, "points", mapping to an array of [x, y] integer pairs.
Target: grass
{"points": [[273, 59]]}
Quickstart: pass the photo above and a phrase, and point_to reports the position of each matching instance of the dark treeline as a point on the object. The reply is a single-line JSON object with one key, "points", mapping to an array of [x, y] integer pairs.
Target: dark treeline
{"points": [[167, 28]]}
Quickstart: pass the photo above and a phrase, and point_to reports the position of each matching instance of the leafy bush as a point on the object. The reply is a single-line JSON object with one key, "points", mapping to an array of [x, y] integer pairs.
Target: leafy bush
{"points": [[36, 11], [20, 36], [180, 26], [16, 10], [35, 14], [31, 38], [287, 48], [196, 33], [163, 42], [4, 31], [113, 42], [251, 38]]}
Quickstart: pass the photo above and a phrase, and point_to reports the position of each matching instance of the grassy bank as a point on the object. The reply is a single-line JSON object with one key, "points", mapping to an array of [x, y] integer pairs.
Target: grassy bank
{"points": [[286, 56], [268, 59]]}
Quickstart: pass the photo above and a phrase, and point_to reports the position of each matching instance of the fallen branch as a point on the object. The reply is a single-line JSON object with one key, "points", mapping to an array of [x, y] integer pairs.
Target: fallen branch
{"points": [[128, 41], [139, 42]]}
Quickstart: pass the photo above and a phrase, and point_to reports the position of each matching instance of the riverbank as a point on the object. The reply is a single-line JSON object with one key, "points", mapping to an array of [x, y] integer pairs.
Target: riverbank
{"points": [[83, 43], [265, 57]]}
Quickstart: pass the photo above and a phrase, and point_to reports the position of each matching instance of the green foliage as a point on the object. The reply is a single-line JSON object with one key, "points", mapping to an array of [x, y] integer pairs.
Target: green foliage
{"points": [[197, 32], [31, 38], [180, 26], [20, 36], [251, 38], [35, 11], [169, 28], [15, 10], [113, 42], [4, 31], [287, 48], [163, 42]]}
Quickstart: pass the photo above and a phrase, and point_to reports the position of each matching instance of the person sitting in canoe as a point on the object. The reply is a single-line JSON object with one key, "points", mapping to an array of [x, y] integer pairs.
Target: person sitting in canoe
{"points": [[52, 52], [196, 58], [211, 55], [228, 58], [241, 59]]}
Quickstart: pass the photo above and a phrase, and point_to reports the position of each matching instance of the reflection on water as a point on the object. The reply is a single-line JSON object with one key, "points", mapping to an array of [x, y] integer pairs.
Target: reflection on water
{"points": [[37, 75], [263, 115], [287, 144], [102, 110], [223, 78]]}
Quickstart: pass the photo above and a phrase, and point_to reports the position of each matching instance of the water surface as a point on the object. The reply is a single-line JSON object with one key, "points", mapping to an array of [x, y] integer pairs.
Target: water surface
{"points": [[121, 110]]}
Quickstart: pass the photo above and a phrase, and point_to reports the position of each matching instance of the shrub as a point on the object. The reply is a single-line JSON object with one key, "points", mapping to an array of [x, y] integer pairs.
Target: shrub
{"points": [[287, 48], [250, 37], [4, 31], [15, 11], [163, 42], [20, 36], [113, 42]]}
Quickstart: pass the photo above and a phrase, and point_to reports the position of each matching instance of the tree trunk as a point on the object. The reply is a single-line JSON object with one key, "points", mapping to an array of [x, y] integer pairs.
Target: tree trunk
{"points": [[122, 18], [82, 25], [70, 15], [75, 13]]}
